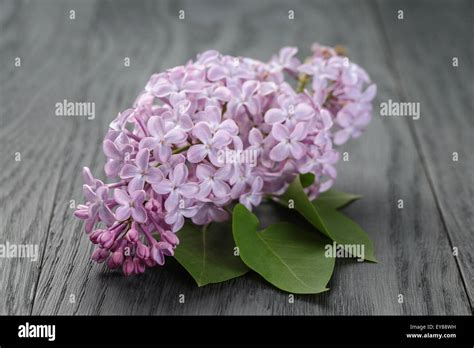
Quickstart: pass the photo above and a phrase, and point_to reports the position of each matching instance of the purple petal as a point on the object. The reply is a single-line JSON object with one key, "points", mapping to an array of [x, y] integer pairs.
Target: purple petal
{"points": [[220, 188], [216, 72], [297, 150], [341, 136], [205, 189], [188, 190], [87, 176], [222, 93], [163, 187], [89, 194], [280, 152], [221, 138], [213, 115], [176, 136], [136, 183], [121, 197], [274, 116], [300, 131], [197, 153], [202, 132], [179, 174], [129, 171], [185, 123], [122, 213], [163, 151], [249, 88], [112, 168], [154, 175], [138, 197], [172, 201], [110, 150], [139, 214], [155, 127], [255, 137], [229, 126], [106, 215], [143, 156], [203, 171], [148, 143], [257, 185], [162, 90], [253, 106], [369, 94], [303, 111], [280, 132]]}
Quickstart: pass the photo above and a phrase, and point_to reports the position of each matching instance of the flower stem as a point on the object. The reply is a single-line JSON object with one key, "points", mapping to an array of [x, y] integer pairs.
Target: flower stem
{"points": [[303, 79], [181, 149]]}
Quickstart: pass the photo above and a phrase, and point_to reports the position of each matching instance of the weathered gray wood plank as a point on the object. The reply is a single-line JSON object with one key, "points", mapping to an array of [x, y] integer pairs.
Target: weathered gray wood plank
{"points": [[411, 244], [423, 46], [28, 187]]}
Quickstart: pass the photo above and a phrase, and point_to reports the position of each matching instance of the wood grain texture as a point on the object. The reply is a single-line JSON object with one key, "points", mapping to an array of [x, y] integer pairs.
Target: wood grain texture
{"points": [[82, 60], [446, 123]]}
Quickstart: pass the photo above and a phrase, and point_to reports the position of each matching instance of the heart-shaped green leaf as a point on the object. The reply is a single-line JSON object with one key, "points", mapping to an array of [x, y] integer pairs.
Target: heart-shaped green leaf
{"points": [[327, 220], [208, 253], [336, 199], [287, 256]]}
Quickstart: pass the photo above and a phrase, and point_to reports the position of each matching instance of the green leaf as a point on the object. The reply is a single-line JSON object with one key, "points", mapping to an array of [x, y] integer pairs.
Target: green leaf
{"points": [[336, 199], [307, 179], [287, 256], [344, 230], [327, 220], [208, 253]]}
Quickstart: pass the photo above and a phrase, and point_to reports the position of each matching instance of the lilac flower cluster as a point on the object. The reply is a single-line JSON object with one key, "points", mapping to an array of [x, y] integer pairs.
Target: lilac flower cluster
{"points": [[218, 130]]}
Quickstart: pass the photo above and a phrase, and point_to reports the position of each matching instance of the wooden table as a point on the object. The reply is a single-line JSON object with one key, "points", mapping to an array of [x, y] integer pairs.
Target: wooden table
{"points": [[82, 59]]}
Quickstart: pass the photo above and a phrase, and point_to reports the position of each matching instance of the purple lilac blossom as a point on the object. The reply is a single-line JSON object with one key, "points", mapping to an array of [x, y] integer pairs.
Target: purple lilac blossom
{"points": [[219, 130]]}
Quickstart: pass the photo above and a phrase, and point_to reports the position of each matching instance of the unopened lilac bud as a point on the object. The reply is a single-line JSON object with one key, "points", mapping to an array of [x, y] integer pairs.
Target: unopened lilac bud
{"points": [[166, 248], [132, 235], [157, 254], [150, 262], [100, 255], [116, 259], [82, 212], [107, 240], [128, 266], [95, 236], [139, 265], [169, 237], [143, 252]]}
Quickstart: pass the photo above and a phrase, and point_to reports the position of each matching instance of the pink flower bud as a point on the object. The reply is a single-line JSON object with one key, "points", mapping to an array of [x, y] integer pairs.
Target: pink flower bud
{"points": [[139, 265], [132, 235], [128, 266], [116, 259], [143, 252], [166, 248], [100, 255], [107, 240], [169, 237], [95, 236], [157, 254]]}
